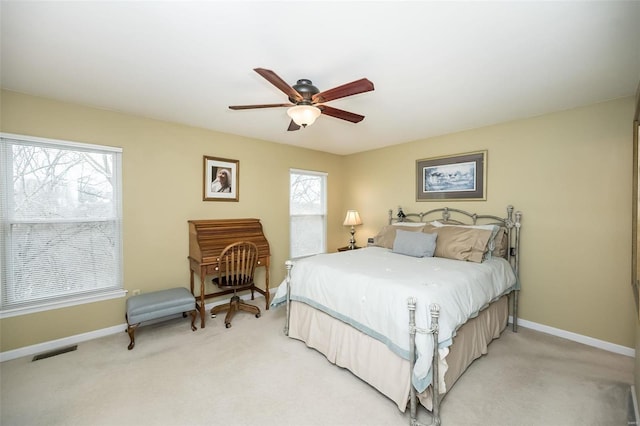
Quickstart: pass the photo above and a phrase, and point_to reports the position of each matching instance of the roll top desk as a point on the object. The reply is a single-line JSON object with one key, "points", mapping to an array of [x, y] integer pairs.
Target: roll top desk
{"points": [[207, 239]]}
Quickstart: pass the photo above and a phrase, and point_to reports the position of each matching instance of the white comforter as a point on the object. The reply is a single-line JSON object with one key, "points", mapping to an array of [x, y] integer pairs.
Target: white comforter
{"points": [[369, 289]]}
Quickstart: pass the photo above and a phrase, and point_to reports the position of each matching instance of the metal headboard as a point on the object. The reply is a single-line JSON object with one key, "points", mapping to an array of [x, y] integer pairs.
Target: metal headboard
{"points": [[447, 215]]}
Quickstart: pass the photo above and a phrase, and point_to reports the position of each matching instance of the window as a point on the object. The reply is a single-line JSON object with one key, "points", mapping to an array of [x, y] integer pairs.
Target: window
{"points": [[60, 217], [307, 213]]}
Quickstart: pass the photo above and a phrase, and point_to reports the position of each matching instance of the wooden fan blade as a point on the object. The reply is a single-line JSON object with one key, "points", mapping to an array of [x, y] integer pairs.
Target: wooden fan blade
{"points": [[353, 88], [274, 79], [341, 114], [259, 106], [293, 126]]}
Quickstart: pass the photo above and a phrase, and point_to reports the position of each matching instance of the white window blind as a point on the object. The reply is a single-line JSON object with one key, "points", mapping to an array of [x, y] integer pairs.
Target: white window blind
{"points": [[307, 212], [61, 217]]}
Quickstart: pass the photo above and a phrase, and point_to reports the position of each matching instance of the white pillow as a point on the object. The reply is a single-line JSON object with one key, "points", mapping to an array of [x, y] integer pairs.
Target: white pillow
{"points": [[409, 224], [487, 227]]}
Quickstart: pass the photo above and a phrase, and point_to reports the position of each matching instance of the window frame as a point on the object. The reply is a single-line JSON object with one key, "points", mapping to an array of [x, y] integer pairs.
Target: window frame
{"points": [[324, 184], [7, 221]]}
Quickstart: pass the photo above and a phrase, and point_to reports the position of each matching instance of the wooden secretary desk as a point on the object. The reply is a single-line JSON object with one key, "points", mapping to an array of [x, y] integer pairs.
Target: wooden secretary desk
{"points": [[207, 239]]}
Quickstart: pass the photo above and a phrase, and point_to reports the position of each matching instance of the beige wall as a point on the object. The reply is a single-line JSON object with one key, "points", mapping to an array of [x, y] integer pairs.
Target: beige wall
{"points": [[162, 173], [569, 173]]}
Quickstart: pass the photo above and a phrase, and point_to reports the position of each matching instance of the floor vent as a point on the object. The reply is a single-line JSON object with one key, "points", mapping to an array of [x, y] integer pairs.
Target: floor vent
{"points": [[54, 353]]}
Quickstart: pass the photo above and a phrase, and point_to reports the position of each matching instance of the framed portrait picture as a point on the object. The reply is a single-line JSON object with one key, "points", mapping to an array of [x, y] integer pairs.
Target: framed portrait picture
{"points": [[221, 179], [454, 177]]}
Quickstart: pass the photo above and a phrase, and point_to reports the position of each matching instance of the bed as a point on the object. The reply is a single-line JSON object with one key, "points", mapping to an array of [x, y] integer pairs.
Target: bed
{"points": [[421, 301]]}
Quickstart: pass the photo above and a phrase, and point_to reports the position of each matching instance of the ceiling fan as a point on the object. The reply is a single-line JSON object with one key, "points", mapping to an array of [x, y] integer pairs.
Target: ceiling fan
{"points": [[307, 102]]}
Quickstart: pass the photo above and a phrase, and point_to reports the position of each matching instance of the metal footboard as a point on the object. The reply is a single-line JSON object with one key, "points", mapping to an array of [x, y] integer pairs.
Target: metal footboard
{"points": [[288, 264], [434, 310]]}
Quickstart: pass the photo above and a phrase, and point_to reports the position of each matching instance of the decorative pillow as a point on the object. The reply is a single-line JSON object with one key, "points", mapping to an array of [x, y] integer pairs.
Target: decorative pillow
{"points": [[462, 243], [416, 244], [387, 235]]}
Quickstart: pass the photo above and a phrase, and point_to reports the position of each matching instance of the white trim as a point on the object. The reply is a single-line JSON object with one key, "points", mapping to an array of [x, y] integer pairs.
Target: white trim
{"points": [[324, 190], [79, 338], [92, 147], [308, 172], [70, 301], [60, 343], [589, 341], [8, 310], [635, 405]]}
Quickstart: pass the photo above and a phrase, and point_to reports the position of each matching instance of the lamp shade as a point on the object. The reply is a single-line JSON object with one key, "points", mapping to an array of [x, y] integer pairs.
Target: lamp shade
{"points": [[352, 218], [304, 115]]}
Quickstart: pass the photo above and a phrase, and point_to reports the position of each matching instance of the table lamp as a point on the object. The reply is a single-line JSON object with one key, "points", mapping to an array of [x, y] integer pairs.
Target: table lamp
{"points": [[352, 219]]}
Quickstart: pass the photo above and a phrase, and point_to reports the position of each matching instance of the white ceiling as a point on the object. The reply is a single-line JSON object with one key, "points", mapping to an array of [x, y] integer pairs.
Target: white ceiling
{"points": [[438, 67]]}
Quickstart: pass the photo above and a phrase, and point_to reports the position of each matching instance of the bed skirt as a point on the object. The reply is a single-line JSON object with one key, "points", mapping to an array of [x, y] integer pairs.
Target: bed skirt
{"points": [[373, 362]]}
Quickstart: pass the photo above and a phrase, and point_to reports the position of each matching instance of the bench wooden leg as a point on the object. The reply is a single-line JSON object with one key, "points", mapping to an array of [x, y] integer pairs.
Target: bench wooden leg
{"points": [[131, 329], [194, 315]]}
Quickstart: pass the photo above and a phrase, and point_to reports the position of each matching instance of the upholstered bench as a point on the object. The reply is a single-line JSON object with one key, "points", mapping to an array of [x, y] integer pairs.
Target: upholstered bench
{"points": [[158, 304]]}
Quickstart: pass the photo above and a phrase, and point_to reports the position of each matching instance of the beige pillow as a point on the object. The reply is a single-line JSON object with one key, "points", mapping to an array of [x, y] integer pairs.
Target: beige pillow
{"points": [[501, 243], [460, 243], [387, 235], [430, 229]]}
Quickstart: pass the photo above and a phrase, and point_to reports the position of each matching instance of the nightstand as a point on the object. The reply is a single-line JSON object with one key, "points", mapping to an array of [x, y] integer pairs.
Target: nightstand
{"points": [[346, 248]]}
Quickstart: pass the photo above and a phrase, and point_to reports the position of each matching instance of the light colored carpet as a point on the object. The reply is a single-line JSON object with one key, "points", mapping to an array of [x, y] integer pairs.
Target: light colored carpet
{"points": [[252, 374]]}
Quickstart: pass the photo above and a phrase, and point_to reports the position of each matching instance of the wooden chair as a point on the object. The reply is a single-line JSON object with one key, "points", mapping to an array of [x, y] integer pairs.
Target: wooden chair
{"points": [[235, 270]]}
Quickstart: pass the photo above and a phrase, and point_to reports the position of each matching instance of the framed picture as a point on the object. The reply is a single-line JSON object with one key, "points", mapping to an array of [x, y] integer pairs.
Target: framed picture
{"points": [[454, 177], [221, 179]]}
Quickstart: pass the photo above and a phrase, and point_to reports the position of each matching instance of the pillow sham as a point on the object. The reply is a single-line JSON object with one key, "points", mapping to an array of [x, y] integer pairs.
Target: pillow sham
{"points": [[416, 244], [493, 241], [462, 243], [501, 243], [387, 235]]}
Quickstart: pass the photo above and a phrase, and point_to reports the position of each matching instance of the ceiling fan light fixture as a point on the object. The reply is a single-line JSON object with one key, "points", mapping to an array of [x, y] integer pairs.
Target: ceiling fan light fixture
{"points": [[304, 115]]}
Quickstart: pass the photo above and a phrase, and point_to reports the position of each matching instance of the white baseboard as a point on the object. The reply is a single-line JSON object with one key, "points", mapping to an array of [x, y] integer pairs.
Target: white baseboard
{"points": [[634, 402], [60, 343], [590, 341], [79, 338]]}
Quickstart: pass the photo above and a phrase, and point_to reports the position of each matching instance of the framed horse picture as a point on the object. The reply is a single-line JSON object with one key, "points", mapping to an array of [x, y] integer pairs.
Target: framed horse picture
{"points": [[453, 177]]}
